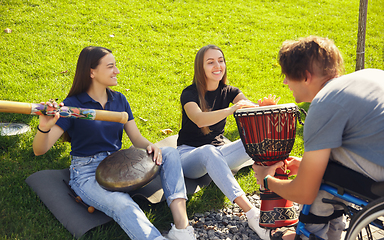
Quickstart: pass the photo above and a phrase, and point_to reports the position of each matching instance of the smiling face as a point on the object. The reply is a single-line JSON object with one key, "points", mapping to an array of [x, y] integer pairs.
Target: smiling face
{"points": [[105, 73], [214, 66]]}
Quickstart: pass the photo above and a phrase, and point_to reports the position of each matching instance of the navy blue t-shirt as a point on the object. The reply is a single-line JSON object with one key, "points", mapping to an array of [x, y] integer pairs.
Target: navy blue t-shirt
{"points": [[90, 137]]}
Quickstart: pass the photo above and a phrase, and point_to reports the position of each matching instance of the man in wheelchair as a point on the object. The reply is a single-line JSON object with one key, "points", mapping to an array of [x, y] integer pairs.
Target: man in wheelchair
{"points": [[344, 125]]}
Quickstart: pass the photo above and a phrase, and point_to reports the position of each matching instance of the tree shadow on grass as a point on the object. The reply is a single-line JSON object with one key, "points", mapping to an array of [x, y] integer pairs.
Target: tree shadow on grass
{"points": [[23, 214], [207, 199], [160, 215], [110, 230]]}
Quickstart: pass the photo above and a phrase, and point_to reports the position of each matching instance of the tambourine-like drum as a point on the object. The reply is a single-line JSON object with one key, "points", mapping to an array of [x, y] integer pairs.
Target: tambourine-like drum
{"points": [[127, 170], [268, 134]]}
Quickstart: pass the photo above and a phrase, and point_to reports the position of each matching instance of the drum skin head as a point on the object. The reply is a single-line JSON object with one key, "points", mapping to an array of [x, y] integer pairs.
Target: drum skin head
{"points": [[126, 170]]}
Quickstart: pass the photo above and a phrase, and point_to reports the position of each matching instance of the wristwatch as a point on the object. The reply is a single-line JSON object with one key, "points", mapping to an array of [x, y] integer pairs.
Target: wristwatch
{"points": [[265, 181]]}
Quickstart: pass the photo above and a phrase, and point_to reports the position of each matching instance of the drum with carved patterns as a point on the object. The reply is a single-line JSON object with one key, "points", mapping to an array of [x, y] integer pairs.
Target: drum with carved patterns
{"points": [[268, 134]]}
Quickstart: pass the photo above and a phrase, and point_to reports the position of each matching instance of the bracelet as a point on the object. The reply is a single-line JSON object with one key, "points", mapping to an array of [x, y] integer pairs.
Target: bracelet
{"points": [[265, 181], [42, 130]]}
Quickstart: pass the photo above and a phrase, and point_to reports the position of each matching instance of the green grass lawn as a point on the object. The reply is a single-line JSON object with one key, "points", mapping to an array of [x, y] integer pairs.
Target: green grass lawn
{"points": [[154, 43]]}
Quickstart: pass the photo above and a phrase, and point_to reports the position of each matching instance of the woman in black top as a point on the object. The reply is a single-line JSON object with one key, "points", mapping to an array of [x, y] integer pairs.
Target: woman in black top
{"points": [[200, 143]]}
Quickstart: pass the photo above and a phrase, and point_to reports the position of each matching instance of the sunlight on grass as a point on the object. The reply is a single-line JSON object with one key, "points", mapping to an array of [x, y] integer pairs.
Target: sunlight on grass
{"points": [[154, 43]]}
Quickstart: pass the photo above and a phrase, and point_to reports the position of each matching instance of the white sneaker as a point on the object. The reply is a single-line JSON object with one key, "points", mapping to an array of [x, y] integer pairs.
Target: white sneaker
{"points": [[181, 234], [263, 233]]}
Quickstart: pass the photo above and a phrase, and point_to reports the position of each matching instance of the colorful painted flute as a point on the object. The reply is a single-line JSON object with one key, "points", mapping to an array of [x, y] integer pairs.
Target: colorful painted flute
{"points": [[65, 111]]}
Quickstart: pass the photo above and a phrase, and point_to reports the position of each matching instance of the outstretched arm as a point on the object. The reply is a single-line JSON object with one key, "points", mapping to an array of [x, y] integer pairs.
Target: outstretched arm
{"points": [[204, 119], [270, 100]]}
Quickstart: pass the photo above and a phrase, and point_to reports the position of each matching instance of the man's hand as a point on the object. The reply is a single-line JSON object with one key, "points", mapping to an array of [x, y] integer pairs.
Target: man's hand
{"points": [[262, 171], [270, 100], [293, 164]]}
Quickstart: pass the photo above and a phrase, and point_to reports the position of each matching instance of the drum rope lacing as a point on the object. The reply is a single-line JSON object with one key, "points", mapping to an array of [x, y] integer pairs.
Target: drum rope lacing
{"points": [[268, 135], [299, 115]]}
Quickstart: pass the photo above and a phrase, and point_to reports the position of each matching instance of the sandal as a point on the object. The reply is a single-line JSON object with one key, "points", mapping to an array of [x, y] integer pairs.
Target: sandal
{"points": [[279, 233]]}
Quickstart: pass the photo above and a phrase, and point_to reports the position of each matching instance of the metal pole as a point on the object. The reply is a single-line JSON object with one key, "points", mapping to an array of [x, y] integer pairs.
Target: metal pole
{"points": [[360, 50]]}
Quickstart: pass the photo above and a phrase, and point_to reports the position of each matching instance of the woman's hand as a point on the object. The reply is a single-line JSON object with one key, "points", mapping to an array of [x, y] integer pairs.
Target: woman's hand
{"points": [[47, 122], [45, 138], [157, 156], [293, 164], [244, 104], [270, 100]]}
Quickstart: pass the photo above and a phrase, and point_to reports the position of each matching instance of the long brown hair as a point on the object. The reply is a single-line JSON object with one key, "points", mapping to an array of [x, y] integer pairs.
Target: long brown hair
{"points": [[89, 58], [199, 79], [314, 54]]}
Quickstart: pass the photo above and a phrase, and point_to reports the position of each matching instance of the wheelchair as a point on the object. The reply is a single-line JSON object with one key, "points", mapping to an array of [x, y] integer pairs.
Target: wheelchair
{"points": [[364, 208]]}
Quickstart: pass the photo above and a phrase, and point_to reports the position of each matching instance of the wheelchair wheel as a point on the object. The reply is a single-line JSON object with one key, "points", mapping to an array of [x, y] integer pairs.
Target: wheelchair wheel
{"points": [[368, 223]]}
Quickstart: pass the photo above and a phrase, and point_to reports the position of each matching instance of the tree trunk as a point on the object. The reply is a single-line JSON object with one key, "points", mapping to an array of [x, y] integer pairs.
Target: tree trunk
{"points": [[361, 35]]}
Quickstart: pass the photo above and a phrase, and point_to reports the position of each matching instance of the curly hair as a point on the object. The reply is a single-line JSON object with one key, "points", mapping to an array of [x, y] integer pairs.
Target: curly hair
{"points": [[315, 54]]}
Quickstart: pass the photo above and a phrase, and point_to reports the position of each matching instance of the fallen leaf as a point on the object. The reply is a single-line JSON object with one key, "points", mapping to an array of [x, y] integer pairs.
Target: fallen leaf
{"points": [[166, 131], [8, 30], [209, 227], [64, 71]]}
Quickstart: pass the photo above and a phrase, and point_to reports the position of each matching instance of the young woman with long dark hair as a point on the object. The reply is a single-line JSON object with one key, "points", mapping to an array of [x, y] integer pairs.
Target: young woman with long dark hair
{"points": [[92, 141]]}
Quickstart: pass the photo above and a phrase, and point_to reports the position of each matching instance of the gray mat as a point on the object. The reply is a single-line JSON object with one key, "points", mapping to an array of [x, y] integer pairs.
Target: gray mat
{"points": [[53, 192]]}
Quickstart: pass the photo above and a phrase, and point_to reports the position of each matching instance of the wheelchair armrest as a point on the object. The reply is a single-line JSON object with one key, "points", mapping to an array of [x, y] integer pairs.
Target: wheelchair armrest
{"points": [[350, 181]]}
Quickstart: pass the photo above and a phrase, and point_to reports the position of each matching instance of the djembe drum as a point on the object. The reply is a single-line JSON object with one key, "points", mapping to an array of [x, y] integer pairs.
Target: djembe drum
{"points": [[268, 134]]}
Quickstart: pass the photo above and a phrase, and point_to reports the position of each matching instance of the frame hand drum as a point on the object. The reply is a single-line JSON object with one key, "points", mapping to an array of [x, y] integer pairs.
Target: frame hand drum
{"points": [[268, 134]]}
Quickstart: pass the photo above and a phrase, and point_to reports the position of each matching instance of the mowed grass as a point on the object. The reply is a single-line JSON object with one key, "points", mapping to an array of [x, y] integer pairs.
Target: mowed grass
{"points": [[154, 44]]}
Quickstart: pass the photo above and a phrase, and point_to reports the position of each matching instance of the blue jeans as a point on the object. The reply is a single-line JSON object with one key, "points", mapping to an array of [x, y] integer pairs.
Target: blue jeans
{"points": [[119, 205], [217, 162]]}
